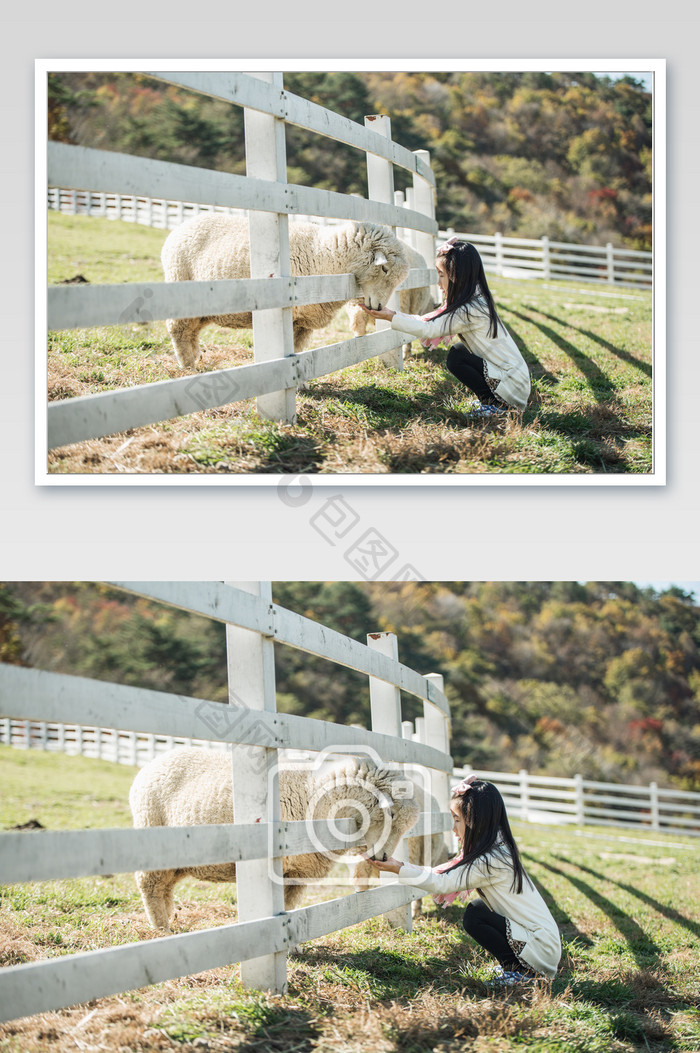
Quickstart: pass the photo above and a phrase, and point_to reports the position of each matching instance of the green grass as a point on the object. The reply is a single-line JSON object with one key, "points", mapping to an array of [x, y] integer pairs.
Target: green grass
{"points": [[588, 350], [625, 902]]}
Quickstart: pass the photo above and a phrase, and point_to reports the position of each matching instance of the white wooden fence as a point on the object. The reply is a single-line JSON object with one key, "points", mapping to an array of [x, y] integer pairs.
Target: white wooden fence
{"points": [[506, 257], [255, 732], [276, 372], [547, 799], [542, 258], [530, 798], [146, 211]]}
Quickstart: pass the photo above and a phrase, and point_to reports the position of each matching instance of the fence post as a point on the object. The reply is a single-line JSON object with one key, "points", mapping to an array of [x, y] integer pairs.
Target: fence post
{"points": [[385, 708], [437, 734], [380, 187], [423, 201], [654, 805], [498, 244], [251, 679], [578, 791], [546, 260], [273, 336], [524, 796], [610, 256]]}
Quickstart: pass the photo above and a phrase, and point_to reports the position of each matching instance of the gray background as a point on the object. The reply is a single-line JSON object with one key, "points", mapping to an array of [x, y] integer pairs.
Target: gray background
{"points": [[532, 532]]}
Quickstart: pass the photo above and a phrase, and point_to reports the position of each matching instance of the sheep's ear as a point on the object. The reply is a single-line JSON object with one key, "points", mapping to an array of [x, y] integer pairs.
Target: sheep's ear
{"points": [[379, 258]]}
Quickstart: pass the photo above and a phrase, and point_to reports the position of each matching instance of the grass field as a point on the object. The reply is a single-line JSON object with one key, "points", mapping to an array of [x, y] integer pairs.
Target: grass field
{"points": [[589, 351], [626, 904]]}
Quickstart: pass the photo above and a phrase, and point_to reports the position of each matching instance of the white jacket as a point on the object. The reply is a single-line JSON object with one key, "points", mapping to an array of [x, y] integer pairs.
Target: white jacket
{"points": [[500, 353], [528, 920]]}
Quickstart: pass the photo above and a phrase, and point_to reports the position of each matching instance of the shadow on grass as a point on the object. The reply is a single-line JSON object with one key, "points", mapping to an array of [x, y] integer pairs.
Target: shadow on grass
{"points": [[668, 912], [601, 386], [645, 951], [279, 1030], [289, 454], [387, 975], [644, 367]]}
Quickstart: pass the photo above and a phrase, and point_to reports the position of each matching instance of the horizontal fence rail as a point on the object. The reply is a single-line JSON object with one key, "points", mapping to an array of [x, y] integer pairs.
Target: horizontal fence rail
{"points": [[104, 171], [550, 799], [150, 185], [97, 703], [542, 258], [258, 739]]}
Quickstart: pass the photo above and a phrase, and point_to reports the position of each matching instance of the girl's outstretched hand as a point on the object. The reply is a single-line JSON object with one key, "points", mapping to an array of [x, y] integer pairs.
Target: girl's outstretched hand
{"points": [[385, 312], [391, 865]]}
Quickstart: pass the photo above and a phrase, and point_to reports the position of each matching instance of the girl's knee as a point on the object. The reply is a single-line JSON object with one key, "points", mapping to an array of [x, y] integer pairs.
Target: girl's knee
{"points": [[473, 916], [455, 359]]}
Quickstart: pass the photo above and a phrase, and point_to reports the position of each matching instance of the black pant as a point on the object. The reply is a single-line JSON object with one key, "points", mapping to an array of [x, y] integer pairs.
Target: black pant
{"points": [[489, 931], [469, 368]]}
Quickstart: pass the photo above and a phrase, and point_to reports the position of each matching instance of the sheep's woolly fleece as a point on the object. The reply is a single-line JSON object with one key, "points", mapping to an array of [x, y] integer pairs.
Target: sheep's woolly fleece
{"points": [[188, 787], [214, 246]]}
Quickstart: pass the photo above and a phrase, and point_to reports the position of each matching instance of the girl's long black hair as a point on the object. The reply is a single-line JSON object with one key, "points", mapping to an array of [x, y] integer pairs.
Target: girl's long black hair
{"points": [[465, 280], [486, 825]]}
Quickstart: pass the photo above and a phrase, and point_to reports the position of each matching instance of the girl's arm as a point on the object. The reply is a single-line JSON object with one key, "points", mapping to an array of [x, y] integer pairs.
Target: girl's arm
{"points": [[472, 876]]}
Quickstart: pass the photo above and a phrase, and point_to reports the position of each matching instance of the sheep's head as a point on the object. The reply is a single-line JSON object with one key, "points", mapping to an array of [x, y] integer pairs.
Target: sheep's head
{"points": [[380, 801], [380, 264]]}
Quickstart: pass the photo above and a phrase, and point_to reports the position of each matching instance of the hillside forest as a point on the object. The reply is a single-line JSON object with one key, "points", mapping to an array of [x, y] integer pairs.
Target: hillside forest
{"points": [[597, 678], [566, 155]]}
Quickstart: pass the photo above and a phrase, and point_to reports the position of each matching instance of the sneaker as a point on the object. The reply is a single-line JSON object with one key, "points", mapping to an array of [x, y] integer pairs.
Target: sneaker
{"points": [[485, 409], [510, 977]]}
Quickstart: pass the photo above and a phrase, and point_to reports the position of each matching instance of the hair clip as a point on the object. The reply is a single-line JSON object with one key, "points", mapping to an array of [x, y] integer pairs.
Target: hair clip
{"points": [[447, 245], [464, 785]]}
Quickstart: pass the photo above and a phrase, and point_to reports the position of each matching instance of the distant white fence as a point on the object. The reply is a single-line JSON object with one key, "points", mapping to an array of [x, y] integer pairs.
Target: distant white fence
{"points": [[108, 744], [146, 211], [277, 372], [530, 798], [547, 799], [503, 256], [542, 258], [254, 731]]}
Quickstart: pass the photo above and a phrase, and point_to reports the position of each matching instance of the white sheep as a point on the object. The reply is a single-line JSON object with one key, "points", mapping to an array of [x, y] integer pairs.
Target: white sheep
{"points": [[411, 301], [216, 246], [188, 787], [425, 851]]}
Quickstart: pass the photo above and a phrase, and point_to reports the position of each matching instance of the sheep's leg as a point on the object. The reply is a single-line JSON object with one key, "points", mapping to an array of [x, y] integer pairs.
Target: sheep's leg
{"points": [[156, 888], [361, 874], [302, 337], [184, 333], [293, 895]]}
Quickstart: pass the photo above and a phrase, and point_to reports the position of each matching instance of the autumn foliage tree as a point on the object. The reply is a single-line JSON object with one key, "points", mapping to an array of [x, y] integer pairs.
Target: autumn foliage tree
{"points": [[601, 678], [567, 155]]}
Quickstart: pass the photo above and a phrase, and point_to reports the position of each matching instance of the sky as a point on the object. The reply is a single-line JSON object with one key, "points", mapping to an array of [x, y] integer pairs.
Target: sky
{"points": [[692, 587], [645, 78]]}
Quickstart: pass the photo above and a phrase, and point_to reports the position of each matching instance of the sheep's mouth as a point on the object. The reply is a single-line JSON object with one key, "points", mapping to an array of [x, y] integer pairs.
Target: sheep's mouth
{"points": [[382, 859]]}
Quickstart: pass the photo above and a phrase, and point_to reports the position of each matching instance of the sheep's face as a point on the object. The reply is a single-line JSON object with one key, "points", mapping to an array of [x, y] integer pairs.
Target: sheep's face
{"points": [[388, 824], [385, 819], [381, 809], [383, 266]]}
